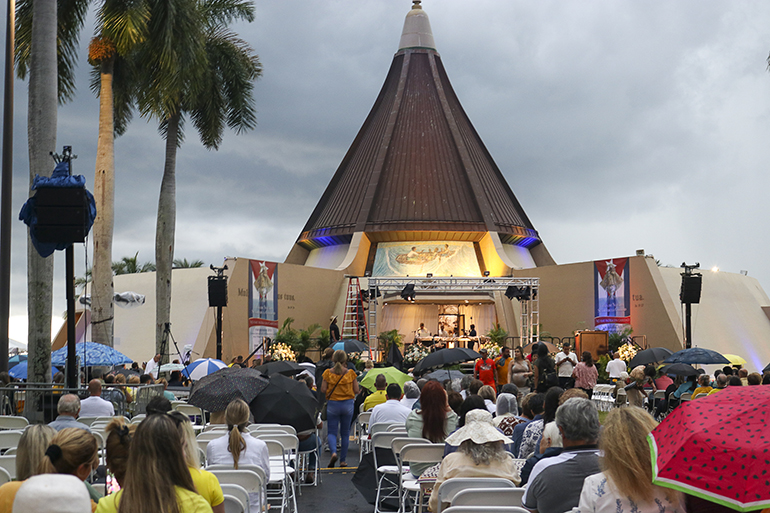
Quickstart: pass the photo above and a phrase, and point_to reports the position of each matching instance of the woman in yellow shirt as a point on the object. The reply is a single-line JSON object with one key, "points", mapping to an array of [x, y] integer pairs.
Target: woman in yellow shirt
{"points": [[340, 387], [30, 452], [157, 478]]}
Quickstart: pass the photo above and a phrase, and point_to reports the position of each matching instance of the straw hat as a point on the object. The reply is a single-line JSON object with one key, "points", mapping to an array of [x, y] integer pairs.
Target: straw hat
{"points": [[332, 318], [478, 428], [52, 493]]}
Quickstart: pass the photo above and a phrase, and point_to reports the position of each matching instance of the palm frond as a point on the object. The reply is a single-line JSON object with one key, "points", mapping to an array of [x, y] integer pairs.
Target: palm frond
{"points": [[224, 12]]}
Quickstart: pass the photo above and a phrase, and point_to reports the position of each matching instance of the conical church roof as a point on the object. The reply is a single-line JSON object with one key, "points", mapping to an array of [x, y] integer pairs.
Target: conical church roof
{"points": [[417, 167]]}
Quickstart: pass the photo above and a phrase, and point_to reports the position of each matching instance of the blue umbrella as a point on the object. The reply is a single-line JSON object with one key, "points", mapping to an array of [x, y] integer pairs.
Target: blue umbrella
{"points": [[351, 345], [203, 367], [18, 358], [697, 355], [91, 353], [19, 371]]}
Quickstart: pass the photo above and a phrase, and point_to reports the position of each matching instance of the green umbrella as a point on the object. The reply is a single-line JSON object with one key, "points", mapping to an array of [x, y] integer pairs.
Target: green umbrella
{"points": [[392, 374]]}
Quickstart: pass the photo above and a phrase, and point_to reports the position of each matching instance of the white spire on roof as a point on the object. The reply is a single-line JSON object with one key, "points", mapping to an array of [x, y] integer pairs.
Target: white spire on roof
{"points": [[417, 32]]}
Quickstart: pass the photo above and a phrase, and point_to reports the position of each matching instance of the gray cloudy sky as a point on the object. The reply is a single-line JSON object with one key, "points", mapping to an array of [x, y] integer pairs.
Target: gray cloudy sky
{"points": [[619, 126]]}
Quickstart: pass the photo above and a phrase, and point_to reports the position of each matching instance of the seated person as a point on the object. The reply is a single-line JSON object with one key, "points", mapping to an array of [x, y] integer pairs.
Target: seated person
{"points": [[703, 386]]}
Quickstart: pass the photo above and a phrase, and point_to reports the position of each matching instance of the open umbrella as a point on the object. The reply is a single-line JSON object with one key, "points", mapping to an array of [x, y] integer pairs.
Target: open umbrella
{"points": [[651, 355], [171, 367], [392, 374], [17, 358], [127, 372], [215, 391], [351, 345], [696, 355], [716, 448], [444, 357], [287, 368], [19, 371], [285, 401], [203, 367], [91, 354], [680, 369], [735, 359], [443, 374]]}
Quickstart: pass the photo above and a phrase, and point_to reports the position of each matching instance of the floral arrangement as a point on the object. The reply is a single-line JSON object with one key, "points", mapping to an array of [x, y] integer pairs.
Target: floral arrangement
{"points": [[415, 353], [627, 351], [282, 352], [493, 349]]}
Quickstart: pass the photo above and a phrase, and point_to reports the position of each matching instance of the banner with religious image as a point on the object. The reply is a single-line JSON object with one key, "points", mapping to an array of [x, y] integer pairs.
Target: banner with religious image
{"points": [[263, 303], [440, 258], [612, 297]]}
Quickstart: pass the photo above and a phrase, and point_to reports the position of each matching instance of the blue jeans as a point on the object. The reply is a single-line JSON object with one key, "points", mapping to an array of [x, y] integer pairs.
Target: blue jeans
{"points": [[309, 444], [339, 414]]}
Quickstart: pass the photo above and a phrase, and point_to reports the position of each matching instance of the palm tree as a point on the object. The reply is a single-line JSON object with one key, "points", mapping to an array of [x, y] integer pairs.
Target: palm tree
{"points": [[184, 264], [122, 24], [209, 77], [131, 265], [38, 32]]}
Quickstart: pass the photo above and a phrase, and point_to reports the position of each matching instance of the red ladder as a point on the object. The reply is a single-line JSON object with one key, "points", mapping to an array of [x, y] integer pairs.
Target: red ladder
{"points": [[354, 313]]}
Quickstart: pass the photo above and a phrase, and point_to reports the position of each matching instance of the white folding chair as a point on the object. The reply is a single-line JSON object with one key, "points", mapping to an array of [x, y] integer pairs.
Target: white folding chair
{"points": [[303, 465], [136, 419], [210, 435], [420, 453], [8, 463], [198, 418], [238, 492], [87, 420], [9, 438], [396, 427], [5, 477], [273, 427], [404, 474], [281, 473], [11, 451], [13, 422], [451, 487], [233, 504], [488, 497], [248, 477], [485, 509], [388, 476], [362, 432]]}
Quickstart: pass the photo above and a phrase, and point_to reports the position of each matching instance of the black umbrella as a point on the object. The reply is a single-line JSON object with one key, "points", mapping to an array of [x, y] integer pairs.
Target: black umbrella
{"points": [[445, 357], [351, 345], [285, 401], [680, 369], [395, 358], [127, 372], [215, 391], [697, 355], [766, 369], [443, 374], [365, 478], [286, 368], [651, 355]]}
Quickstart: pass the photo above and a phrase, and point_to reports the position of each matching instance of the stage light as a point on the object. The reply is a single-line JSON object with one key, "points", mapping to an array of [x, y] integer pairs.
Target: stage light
{"points": [[408, 293], [486, 273], [715, 269], [520, 293], [429, 275]]}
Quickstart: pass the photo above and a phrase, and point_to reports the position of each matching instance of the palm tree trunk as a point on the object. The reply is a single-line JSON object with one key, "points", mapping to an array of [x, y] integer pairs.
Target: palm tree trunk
{"points": [[104, 191], [41, 139], [164, 235]]}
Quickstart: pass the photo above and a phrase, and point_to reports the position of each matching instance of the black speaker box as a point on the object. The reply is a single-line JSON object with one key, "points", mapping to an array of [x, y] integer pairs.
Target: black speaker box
{"points": [[217, 291], [690, 291]]}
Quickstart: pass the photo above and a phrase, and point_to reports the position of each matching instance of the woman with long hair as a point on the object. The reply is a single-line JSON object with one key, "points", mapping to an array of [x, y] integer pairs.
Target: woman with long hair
{"points": [[238, 447], [545, 370], [520, 372], [625, 482], [433, 421], [72, 451], [586, 374], [118, 445], [205, 482], [340, 387], [157, 478], [481, 453], [29, 454]]}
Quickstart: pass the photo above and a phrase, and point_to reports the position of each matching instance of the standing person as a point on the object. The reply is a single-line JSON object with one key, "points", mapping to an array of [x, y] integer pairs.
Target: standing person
{"points": [[153, 366], [532, 356], [340, 387], [503, 366], [545, 370], [157, 477], [238, 447], [520, 372], [484, 369], [334, 331], [565, 364], [615, 367], [422, 332], [586, 374]]}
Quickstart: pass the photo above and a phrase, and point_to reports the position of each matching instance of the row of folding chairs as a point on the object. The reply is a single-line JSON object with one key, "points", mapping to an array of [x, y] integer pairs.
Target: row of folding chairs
{"points": [[478, 492], [603, 398]]}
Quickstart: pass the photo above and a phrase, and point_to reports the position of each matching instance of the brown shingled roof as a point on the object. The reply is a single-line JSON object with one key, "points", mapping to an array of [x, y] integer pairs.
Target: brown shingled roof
{"points": [[417, 165]]}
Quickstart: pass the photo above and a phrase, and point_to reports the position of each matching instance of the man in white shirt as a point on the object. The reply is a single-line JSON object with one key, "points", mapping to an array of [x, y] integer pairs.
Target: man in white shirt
{"points": [[95, 406], [565, 363], [391, 411], [152, 367], [615, 367]]}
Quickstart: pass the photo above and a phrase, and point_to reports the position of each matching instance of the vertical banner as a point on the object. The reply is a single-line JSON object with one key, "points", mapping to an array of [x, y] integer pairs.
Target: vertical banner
{"points": [[612, 297], [263, 303]]}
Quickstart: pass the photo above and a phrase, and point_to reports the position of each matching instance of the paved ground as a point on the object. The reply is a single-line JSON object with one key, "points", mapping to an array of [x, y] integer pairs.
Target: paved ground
{"points": [[335, 492]]}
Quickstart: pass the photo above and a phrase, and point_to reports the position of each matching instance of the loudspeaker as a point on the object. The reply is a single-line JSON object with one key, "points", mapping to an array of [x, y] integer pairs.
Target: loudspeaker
{"points": [[690, 291], [217, 291]]}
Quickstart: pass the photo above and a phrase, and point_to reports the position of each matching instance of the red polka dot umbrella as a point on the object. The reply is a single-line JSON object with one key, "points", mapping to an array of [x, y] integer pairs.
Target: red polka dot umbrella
{"points": [[717, 448]]}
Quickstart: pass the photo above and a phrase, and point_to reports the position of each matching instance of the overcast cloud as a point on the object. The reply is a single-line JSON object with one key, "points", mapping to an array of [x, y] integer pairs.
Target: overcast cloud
{"points": [[619, 126]]}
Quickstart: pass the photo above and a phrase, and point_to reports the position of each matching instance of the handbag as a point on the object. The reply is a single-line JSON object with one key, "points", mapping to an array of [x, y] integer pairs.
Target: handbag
{"points": [[323, 409]]}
